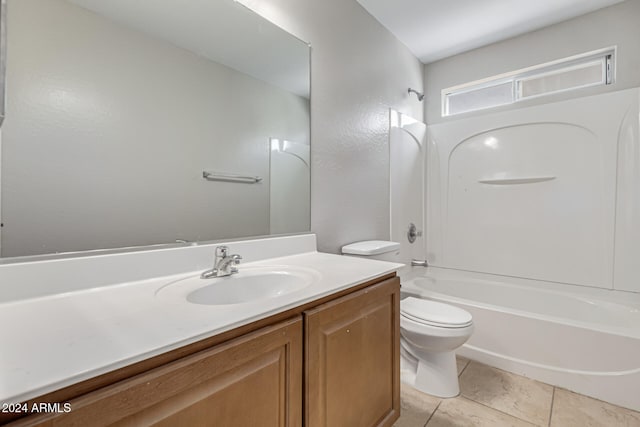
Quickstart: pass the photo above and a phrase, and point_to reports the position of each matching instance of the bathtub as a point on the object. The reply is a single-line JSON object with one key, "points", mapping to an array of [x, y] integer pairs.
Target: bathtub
{"points": [[583, 339]]}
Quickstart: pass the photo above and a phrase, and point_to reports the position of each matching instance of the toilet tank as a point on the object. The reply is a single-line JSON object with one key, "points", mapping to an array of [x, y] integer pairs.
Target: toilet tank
{"points": [[373, 249]]}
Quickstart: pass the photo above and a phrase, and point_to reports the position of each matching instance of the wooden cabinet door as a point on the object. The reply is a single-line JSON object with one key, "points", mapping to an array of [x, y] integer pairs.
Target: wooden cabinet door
{"points": [[254, 380], [352, 355]]}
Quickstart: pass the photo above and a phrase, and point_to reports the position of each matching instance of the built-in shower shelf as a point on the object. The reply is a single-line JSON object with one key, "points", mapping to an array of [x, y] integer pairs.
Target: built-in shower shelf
{"points": [[514, 181]]}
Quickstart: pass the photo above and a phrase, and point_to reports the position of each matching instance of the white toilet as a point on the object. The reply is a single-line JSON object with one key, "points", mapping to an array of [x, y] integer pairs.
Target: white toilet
{"points": [[430, 332]]}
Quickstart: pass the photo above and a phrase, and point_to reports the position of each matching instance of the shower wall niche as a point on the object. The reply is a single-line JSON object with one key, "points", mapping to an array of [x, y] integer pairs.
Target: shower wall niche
{"points": [[549, 192]]}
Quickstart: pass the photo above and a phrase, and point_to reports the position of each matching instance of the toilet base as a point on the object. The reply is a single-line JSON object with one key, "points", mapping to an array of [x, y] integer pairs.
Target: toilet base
{"points": [[435, 374]]}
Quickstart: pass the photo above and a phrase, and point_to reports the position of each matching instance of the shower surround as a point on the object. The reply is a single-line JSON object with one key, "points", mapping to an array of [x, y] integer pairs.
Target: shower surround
{"points": [[532, 223]]}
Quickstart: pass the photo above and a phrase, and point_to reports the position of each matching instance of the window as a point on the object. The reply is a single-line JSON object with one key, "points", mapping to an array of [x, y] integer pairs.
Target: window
{"points": [[590, 69]]}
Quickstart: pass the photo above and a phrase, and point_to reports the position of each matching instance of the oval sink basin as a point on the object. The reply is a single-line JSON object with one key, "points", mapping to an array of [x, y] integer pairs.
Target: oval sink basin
{"points": [[250, 284]]}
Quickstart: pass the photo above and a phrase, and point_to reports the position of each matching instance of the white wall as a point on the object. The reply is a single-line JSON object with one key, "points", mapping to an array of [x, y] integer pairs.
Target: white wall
{"points": [[87, 167], [290, 187], [358, 71], [613, 26], [536, 214]]}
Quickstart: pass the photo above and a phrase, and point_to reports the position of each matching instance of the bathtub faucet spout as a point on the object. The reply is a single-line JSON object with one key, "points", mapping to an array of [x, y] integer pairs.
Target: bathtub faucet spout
{"points": [[416, 263]]}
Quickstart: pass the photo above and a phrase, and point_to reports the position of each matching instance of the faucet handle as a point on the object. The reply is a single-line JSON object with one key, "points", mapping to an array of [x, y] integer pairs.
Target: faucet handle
{"points": [[235, 259], [221, 251]]}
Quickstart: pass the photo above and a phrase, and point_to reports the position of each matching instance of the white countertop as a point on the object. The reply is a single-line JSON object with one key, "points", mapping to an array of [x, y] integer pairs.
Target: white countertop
{"points": [[53, 341]]}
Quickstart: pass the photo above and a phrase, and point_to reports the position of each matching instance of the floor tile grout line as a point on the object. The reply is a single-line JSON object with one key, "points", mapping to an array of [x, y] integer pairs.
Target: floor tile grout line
{"points": [[432, 414], [495, 409], [465, 368], [553, 400]]}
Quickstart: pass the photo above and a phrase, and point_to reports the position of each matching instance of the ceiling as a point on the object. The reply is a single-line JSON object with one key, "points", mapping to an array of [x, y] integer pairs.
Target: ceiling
{"points": [[436, 29]]}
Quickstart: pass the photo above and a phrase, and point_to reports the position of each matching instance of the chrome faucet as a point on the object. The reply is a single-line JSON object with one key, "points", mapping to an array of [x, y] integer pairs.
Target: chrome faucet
{"points": [[224, 264]]}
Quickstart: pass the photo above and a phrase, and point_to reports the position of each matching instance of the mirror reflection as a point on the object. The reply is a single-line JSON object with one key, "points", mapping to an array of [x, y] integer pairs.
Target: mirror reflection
{"points": [[116, 112]]}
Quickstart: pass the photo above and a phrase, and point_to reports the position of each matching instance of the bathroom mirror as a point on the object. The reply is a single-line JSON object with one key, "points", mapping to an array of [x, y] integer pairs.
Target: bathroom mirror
{"points": [[145, 122]]}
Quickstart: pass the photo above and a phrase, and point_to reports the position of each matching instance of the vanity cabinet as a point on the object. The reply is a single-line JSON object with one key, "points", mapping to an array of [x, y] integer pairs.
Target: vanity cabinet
{"points": [[254, 380], [339, 355], [352, 366]]}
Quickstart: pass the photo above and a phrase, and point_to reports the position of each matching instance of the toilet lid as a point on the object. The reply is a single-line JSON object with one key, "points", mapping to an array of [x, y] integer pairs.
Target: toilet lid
{"points": [[434, 313], [370, 247]]}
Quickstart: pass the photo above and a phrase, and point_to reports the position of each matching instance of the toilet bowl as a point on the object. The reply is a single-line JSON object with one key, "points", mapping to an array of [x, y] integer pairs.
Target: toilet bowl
{"points": [[430, 333]]}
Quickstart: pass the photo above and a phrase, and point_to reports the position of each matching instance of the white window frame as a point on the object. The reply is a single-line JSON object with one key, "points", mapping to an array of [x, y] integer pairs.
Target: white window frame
{"points": [[606, 57]]}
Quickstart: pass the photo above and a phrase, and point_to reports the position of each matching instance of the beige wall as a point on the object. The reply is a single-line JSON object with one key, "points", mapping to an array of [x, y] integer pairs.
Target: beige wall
{"points": [[358, 71], [617, 25]]}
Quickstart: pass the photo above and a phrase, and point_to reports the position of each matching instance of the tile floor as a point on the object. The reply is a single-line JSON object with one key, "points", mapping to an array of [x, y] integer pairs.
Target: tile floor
{"points": [[494, 398]]}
